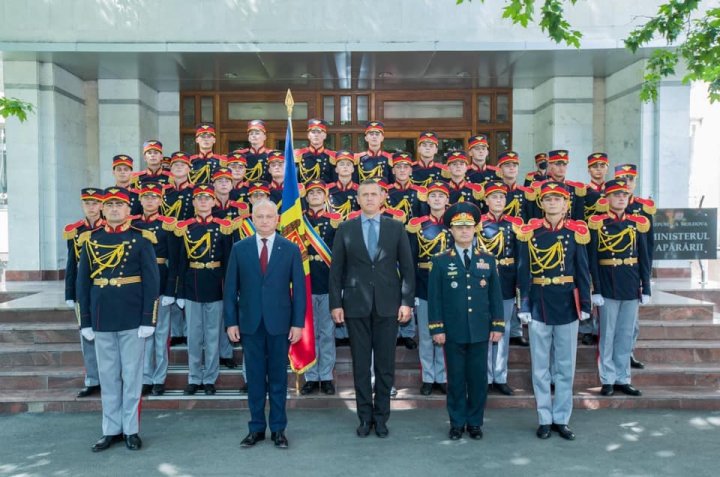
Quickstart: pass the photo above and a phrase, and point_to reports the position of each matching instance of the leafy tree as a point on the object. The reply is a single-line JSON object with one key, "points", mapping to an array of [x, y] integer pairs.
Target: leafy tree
{"points": [[16, 108]]}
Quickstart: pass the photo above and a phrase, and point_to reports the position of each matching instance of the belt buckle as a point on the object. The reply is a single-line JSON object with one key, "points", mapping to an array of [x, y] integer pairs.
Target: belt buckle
{"points": [[555, 280], [113, 281], [102, 282]]}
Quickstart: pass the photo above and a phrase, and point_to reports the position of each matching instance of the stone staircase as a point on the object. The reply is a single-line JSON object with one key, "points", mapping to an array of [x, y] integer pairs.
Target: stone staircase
{"points": [[41, 366]]}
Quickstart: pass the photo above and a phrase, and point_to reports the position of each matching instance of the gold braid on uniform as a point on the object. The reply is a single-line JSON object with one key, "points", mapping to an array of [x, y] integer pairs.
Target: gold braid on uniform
{"points": [[403, 205], [494, 246], [309, 173], [513, 208], [426, 246], [109, 259], [542, 259], [613, 242], [423, 183], [201, 175], [171, 210], [192, 246], [343, 209], [254, 173], [374, 172]]}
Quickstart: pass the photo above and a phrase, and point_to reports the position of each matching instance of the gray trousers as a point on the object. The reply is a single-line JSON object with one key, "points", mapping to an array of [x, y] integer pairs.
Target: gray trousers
{"points": [[562, 339], [432, 357], [226, 347], [636, 329], [120, 362], [90, 362], [617, 324], [324, 340], [515, 325], [407, 330], [156, 349], [341, 332], [589, 326], [178, 326], [204, 322], [497, 367]]}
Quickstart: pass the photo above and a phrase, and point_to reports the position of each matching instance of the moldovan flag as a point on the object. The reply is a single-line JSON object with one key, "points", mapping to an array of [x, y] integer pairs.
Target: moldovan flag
{"points": [[302, 354]]}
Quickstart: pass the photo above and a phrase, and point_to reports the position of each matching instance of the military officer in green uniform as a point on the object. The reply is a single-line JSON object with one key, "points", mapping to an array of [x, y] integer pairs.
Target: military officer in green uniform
{"points": [[465, 312]]}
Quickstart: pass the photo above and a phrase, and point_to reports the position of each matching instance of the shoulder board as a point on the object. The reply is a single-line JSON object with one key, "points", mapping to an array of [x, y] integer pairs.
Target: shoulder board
{"points": [[602, 205], [69, 230], [580, 188], [415, 224], [582, 233], [335, 219], [595, 222], [445, 173], [354, 214], [477, 190], [525, 232], [530, 192], [168, 223], [397, 214], [642, 222], [648, 205], [517, 221], [536, 185], [85, 236], [226, 226], [523, 188], [421, 192], [180, 227], [147, 234], [242, 207]]}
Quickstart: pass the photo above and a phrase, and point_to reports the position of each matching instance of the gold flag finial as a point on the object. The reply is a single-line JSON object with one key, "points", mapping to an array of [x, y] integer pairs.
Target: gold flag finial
{"points": [[289, 103]]}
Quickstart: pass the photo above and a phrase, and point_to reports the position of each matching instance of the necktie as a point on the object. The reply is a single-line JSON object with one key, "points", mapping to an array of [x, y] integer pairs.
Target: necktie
{"points": [[372, 239], [466, 258], [264, 256]]}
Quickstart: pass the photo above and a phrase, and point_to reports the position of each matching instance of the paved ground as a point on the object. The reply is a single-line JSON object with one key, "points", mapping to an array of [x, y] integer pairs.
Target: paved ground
{"points": [[199, 443]]}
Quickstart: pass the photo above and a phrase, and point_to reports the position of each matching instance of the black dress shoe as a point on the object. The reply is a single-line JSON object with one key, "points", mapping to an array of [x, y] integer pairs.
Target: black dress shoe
{"points": [[442, 387], [279, 439], [88, 391], [410, 343], [426, 389], [543, 431], [158, 390], [564, 431], [628, 389], [175, 341], [503, 388], [475, 432], [146, 388], [309, 387], [607, 390], [105, 442], [190, 389], [342, 342], [363, 430], [587, 339], [381, 430], [133, 442], [252, 438], [228, 363], [327, 387], [634, 363], [519, 341], [210, 389], [455, 433]]}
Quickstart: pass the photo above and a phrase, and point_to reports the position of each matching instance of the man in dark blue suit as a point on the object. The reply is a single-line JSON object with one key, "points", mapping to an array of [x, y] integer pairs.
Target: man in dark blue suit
{"points": [[261, 308]]}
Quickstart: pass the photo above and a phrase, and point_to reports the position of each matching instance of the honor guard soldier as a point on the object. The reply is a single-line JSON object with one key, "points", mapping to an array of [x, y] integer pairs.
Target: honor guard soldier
{"points": [[321, 232], [480, 171], [638, 206], [540, 172], [597, 168], [466, 311], [205, 243], [403, 194], [237, 163], [313, 162], [519, 197], [92, 205], [122, 168], [428, 237], [117, 289], [225, 207], [156, 350], [155, 173], [256, 154], [460, 189], [425, 169], [166, 163], [620, 268], [276, 171], [177, 201], [342, 194], [554, 283], [496, 236], [374, 163], [204, 164], [557, 168]]}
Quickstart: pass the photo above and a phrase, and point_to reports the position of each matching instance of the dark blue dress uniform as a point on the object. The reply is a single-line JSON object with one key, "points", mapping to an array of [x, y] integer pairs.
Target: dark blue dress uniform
{"points": [[646, 208], [537, 176], [594, 201], [71, 233], [240, 192], [409, 198], [203, 166], [497, 238], [373, 164], [177, 202], [577, 191], [256, 163], [314, 164], [165, 248], [465, 303], [519, 202], [478, 175], [160, 176], [342, 198], [424, 174], [465, 192]]}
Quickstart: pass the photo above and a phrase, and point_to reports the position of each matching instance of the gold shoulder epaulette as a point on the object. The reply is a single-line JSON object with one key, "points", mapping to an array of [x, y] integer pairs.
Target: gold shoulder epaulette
{"points": [[335, 219], [226, 226], [602, 205], [415, 224], [421, 193], [168, 223], [648, 205], [69, 230], [582, 233], [84, 237], [642, 223], [181, 227], [148, 234], [595, 222], [580, 188]]}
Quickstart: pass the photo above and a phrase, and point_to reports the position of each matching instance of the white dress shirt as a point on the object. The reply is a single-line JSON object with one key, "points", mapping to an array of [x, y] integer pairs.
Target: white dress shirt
{"points": [[270, 241]]}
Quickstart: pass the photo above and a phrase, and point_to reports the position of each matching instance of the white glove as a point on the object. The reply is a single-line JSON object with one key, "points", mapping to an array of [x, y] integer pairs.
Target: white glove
{"points": [[70, 303], [167, 300], [584, 316], [180, 302], [598, 300], [146, 331], [644, 299], [416, 302], [524, 317], [88, 333]]}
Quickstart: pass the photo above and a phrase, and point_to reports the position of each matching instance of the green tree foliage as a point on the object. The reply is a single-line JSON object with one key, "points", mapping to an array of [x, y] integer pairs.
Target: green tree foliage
{"points": [[15, 108], [695, 40]]}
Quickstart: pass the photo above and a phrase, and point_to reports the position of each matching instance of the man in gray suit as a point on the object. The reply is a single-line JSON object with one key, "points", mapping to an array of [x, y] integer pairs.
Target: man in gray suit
{"points": [[372, 286]]}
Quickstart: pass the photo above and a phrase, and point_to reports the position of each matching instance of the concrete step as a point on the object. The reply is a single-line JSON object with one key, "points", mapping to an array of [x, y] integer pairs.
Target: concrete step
{"points": [[54, 400], [58, 314], [681, 330], [44, 332]]}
